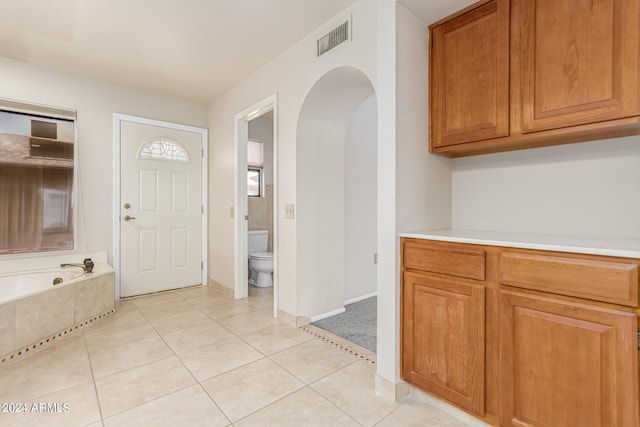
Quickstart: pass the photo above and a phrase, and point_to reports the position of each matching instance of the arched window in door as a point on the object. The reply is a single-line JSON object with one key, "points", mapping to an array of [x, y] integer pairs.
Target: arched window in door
{"points": [[163, 149]]}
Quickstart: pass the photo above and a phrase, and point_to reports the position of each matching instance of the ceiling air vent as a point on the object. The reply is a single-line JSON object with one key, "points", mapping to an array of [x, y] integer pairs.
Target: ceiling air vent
{"points": [[333, 38]]}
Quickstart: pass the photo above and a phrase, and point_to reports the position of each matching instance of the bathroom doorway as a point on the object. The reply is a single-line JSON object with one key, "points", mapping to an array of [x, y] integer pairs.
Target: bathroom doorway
{"points": [[256, 193], [260, 206]]}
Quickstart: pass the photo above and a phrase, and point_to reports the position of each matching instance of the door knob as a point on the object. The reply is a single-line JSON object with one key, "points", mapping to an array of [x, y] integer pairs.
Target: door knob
{"points": [[129, 218]]}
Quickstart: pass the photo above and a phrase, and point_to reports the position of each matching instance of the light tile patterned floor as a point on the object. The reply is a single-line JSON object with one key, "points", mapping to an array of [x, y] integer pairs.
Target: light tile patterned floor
{"points": [[196, 357]]}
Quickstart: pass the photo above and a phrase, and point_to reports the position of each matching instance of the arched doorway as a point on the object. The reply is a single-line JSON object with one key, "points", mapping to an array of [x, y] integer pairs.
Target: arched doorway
{"points": [[336, 186]]}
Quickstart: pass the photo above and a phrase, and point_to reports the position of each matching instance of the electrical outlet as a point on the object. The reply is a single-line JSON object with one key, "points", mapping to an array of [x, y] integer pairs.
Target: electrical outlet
{"points": [[289, 211]]}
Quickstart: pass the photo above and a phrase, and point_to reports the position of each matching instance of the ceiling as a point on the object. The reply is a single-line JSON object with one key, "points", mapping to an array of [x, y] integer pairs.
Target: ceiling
{"points": [[193, 49]]}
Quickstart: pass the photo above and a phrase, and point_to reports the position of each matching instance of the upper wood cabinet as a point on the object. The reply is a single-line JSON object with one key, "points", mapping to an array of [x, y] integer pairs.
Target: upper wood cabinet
{"points": [[570, 70], [579, 61], [470, 69]]}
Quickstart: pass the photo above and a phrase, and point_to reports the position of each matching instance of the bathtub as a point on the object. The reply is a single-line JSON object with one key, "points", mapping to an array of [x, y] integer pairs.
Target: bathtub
{"points": [[14, 286], [35, 313]]}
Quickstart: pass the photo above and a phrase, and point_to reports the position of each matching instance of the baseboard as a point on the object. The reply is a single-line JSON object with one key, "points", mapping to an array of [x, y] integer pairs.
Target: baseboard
{"points": [[470, 420], [392, 391], [360, 298], [291, 320], [329, 314]]}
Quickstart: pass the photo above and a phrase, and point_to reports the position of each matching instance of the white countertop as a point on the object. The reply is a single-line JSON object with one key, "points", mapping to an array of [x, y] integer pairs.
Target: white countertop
{"points": [[628, 248]]}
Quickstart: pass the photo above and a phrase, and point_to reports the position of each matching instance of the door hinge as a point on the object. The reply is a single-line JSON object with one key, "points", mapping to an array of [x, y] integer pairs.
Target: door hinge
{"points": [[201, 208], [201, 265], [202, 149]]}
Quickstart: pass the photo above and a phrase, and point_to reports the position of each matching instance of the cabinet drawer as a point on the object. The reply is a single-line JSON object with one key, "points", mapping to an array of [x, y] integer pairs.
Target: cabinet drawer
{"points": [[448, 259], [614, 281]]}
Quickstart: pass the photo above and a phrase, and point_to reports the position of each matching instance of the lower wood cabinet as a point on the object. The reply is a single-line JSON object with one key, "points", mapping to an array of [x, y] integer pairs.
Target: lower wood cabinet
{"points": [[443, 338], [522, 337], [566, 364]]}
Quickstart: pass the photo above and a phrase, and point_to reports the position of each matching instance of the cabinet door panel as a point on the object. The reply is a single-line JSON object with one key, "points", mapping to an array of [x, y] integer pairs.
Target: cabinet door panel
{"points": [[566, 364], [470, 76], [579, 61], [443, 338]]}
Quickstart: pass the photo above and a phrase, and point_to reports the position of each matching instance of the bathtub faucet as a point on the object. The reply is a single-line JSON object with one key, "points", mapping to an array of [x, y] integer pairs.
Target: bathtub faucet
{"points": [[87, 265]]}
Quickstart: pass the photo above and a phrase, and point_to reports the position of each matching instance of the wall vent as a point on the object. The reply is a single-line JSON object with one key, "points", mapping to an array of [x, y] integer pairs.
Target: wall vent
{"points": [[333, 38]]}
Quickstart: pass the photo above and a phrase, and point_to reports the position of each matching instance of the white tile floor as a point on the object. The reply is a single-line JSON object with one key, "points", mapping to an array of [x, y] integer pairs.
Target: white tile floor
{"points": [[197, 357]]}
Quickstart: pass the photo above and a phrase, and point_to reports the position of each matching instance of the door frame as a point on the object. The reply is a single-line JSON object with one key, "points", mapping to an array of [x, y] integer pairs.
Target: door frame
{"points": [[117, 121], [241, 126]]}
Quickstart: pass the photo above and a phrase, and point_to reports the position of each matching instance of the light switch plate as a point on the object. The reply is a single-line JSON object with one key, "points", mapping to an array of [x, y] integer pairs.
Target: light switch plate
{"points": [[289, 211]]}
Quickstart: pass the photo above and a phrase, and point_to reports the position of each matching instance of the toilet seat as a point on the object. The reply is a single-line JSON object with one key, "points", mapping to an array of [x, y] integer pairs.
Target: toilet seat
{"points": [[261, 255]]}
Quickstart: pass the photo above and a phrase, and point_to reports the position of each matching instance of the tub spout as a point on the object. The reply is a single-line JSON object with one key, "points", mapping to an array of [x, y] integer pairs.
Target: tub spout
{"points": [[87, 265]]}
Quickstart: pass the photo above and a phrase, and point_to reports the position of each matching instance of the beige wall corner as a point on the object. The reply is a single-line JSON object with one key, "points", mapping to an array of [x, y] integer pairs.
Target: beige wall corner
{"points": [[396, 392], [228, 292], [290, 319]]}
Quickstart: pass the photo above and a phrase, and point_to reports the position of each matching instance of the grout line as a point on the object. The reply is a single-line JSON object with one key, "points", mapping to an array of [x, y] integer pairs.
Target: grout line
{"points": [[149, 401], [114, 347], [214, 402], [334, 405], [93, 378], [273, 403], [315, 380]]}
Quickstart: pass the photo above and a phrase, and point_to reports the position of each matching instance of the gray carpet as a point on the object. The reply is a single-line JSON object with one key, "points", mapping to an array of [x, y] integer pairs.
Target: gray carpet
{"points": [[357, 324]]}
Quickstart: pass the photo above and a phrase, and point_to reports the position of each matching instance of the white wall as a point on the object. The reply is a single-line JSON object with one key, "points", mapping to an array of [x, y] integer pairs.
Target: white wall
{"points": [[95, 103], [291, 76], [422, 182], [387, 308], [320, 215], [360, 201], [585, 189]]}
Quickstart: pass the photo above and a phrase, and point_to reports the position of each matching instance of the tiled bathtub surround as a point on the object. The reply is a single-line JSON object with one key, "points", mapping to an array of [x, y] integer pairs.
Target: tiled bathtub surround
{"points": [[135, 369], [30, 323]]}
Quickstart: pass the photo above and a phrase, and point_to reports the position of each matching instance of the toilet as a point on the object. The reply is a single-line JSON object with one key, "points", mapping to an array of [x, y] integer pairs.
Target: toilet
{"points": [[260, 261]]}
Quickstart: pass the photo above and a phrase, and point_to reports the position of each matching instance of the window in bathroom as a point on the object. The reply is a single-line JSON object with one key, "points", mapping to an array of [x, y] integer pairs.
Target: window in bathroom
{"points": [[254, 183], [37, 164], [255, 161], [163, 149]]}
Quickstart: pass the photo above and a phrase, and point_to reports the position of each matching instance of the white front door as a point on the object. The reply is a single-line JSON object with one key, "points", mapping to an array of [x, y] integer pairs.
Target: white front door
{"points": [[160, 209]]}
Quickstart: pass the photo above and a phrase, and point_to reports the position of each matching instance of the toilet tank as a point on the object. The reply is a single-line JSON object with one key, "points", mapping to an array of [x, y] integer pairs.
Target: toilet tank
{"points": [[257, 241]]}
